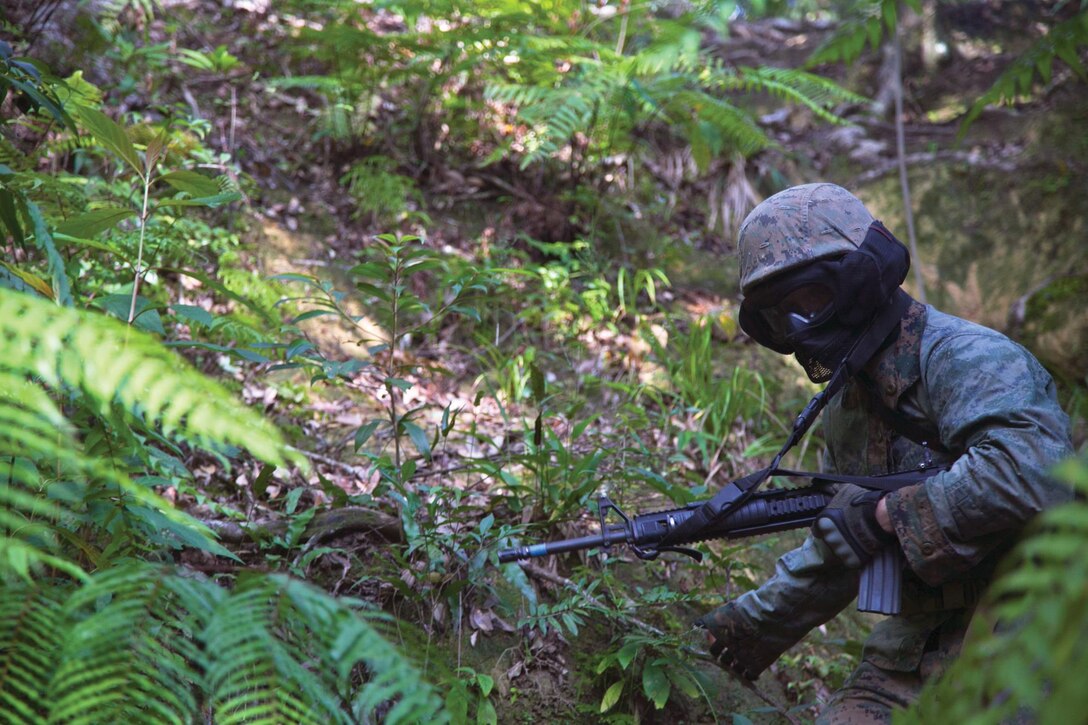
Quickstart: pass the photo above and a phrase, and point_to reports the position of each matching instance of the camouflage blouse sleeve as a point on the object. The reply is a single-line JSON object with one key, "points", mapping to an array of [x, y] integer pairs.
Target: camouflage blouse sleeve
{"points": [[991, 399], [809, 587]]}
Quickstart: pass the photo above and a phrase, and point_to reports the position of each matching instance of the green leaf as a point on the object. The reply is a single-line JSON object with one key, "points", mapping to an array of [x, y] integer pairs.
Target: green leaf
{"points": [[485, 713], [419, 438], [260, 484], [209, 201], [611, 696], [192, 313], [192, 183], [194, 534], [338, 496], [627, 654], [110, 135], [457, 704], [362, 435], [683, 681], [92, 223], [486, 683], [9, 217], [62, 288], [656, 685], [30, 279], [147, 316]]}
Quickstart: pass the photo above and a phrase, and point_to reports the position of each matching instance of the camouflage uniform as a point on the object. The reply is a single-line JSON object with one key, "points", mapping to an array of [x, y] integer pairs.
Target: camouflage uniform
{"points": [[993, 407]]}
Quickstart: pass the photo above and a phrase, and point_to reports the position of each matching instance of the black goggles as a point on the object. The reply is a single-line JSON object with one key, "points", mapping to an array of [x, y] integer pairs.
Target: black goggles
{"points": [[802, 308]]}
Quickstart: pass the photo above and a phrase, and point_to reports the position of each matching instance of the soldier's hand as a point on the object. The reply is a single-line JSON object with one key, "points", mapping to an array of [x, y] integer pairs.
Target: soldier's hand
{"points": [[850, 525], [735, 642]]}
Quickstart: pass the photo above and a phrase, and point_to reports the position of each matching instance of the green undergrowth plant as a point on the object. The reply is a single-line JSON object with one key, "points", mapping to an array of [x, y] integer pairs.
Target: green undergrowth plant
{"points": [[706, 407], [409, 292], [77, 375], [653, 667], [144, 643], [1026, 645], [575, 91], [97, 416], [88, 634]]}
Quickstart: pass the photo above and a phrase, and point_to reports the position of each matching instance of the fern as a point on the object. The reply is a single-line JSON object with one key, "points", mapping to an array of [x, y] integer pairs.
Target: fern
{"points": [[868, 24], [817, 94], [30, 634], [94, 361], [582, 92], [113, 364], [142, 643], [1063, 41], [1027, 648]]}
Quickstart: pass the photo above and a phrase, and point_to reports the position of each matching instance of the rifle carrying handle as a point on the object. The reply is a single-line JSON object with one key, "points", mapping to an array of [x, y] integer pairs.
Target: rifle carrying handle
{"points": [[880, 582]]}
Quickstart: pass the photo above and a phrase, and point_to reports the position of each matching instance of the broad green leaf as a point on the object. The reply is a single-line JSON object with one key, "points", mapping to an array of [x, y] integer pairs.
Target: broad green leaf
{"points": [[192, 313], [611, 696], [457, 704], [110, 135], [485, 713], [656, 685], [195, 184], [627, 654], [419, 438], [92, 223], [486, 683], [119, 306]]}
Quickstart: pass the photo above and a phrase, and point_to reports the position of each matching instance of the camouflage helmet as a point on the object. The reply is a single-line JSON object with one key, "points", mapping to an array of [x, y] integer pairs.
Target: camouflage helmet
{"points": [[798, 226]]}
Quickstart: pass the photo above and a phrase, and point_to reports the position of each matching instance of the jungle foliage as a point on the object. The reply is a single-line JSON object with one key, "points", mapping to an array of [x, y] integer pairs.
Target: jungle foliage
{"points": [[158, 385]]}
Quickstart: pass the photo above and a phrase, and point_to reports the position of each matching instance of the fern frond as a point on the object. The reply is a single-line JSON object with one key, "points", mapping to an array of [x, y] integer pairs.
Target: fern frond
{"points": [[817, 94], [1028, 642], [30, 631], [715, 126], [867, 24], [260, 635], [135, 659], [1063, 41], [115, 364]]}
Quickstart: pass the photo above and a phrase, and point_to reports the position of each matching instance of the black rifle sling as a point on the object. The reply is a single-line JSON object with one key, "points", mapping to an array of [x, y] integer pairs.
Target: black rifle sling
{"points": [[735, 493]]}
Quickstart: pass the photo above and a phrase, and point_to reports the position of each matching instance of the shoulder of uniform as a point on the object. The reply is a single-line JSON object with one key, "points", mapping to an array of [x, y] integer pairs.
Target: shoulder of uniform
{"points": [[945, 333]]}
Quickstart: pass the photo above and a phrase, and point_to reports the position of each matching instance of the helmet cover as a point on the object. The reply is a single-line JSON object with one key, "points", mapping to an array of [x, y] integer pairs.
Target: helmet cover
{"points": [[797, 226]]}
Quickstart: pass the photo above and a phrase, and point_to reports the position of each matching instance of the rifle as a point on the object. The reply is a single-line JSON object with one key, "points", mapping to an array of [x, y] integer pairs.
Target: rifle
{"points": [[763, 512]]}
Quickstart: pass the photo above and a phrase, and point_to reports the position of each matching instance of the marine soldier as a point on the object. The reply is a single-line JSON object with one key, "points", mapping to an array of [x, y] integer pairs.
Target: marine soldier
{"points": [[820, 277]]}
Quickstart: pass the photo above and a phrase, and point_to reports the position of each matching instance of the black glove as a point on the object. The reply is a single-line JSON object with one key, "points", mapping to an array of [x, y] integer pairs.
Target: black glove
{"points": [[738, 646], [849, 527]]}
